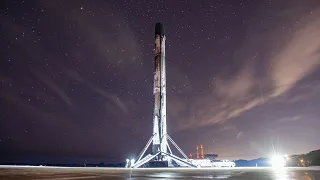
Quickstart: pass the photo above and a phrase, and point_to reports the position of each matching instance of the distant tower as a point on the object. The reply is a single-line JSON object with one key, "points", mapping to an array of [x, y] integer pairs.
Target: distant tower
{"points": [[198, 157], [202, 153], [159, 139]]}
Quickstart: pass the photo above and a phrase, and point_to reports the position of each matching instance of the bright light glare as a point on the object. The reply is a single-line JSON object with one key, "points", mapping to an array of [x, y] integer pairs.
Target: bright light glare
{"points": [[278, 161], [132, 162]]}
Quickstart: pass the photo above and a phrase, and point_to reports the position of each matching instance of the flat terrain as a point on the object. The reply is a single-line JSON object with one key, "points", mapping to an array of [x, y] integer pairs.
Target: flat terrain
{"points": [[63, 173]]}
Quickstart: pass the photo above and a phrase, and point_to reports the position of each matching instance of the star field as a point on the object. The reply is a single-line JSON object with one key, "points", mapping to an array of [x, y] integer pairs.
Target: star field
{"points": [[76, 77]]}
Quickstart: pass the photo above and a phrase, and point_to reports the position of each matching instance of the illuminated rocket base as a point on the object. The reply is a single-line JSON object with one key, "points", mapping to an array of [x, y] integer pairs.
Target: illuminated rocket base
{"points": [[161, 152]]}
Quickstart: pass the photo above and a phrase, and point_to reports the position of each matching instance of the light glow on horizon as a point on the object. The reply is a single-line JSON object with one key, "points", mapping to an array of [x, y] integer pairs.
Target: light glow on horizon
{"points": [[278, 161]]}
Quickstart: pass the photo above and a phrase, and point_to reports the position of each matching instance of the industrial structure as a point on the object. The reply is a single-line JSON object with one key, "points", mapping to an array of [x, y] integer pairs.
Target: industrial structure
{"points": [[161, 154], [200, 152]]}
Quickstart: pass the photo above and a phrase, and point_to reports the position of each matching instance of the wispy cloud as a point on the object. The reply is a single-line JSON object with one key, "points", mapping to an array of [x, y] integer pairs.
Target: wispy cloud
{"points": [[112, 97], [53, 86], [27, 108], [290, 119], [285, 67], [115, 46], [239, 135], [234, 88], [299, 58]]}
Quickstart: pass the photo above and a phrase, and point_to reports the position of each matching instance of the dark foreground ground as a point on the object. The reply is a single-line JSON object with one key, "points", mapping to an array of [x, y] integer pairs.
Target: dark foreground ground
{"points": [[56, 173]]}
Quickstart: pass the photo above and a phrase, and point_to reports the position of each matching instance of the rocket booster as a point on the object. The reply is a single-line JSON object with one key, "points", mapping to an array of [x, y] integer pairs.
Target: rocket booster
{"points": [[161, 152], [159, 114]]}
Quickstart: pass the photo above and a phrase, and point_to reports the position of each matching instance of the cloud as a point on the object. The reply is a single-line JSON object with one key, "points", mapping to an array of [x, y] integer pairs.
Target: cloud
{"points": [[236, 87], [229, 99], [112, 97], [299, 58], [290, 119], [283, 68], [29, 109], [53, 86], [239, 135], [116, 45]]}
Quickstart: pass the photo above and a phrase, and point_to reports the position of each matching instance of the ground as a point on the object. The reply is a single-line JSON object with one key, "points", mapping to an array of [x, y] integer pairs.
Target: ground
{"points": [[65, 173]]}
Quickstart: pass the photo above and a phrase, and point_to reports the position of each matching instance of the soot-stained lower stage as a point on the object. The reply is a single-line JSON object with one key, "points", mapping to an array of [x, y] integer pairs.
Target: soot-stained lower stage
{"points": [[56, 173]]}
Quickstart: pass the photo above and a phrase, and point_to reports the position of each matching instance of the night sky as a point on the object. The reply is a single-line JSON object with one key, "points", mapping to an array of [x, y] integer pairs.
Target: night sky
{"points": [[243, 77]]}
